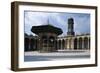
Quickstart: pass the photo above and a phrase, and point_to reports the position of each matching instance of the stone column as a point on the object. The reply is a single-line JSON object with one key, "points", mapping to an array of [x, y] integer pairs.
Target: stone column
{"points": [[68, 44], [54, 44], [65, 43], [40, 39], [61, 44], [57, 44], [88, 43], [39, 43], [83, 43], [72, 44]]}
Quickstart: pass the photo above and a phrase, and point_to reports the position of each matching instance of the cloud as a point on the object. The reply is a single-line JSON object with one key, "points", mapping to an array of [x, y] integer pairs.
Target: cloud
{"points": [[82, 24], [34, 19], [81, 21]]}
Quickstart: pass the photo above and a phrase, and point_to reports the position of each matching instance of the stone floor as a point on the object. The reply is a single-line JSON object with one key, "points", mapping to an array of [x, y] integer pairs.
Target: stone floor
{"points": [[60, 55]]}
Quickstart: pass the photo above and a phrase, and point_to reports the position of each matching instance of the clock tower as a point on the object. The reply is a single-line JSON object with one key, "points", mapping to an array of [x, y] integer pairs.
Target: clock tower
{"points": [[70, 27]]}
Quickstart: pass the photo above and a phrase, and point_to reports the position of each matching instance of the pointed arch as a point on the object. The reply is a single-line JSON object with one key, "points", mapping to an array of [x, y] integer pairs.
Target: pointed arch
{"points": [[75, 43]]}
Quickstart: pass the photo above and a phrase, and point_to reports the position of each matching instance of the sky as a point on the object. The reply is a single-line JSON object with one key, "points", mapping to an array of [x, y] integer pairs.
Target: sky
{"points": [[57, 19]]}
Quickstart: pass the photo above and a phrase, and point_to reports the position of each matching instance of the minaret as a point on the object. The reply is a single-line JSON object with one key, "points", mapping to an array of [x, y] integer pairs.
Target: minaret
{"points": [[70, 27]]}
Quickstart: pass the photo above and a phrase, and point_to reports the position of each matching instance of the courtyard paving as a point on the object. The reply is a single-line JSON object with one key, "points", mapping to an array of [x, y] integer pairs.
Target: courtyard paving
{"points": [[60, 55]]}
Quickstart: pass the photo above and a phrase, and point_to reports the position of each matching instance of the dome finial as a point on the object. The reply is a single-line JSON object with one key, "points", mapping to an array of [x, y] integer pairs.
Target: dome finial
{"points": [[48, 21]]}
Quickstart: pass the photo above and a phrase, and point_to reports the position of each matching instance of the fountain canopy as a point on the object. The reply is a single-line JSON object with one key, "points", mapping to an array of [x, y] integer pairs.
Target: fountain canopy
{"points": [[46, 28]]}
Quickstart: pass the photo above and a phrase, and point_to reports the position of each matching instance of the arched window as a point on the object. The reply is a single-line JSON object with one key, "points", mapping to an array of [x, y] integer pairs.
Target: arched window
{"points": [[26, 44], [75, 43], [52, 41], [86, 43], [44, 39], [63, 44], [59, 44], [89, 43], [32, 44]]}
